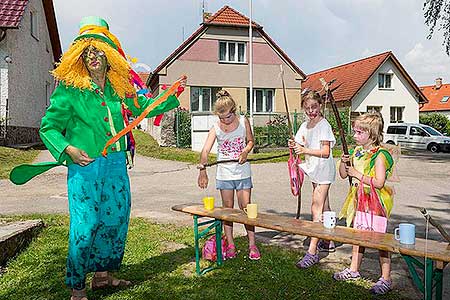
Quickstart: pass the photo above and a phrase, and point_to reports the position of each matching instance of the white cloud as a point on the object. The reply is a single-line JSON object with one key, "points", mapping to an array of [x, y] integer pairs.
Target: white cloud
{"points": [[425, 64]]}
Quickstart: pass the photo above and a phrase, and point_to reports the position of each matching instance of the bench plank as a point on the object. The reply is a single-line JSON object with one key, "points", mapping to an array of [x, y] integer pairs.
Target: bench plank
{"points": [[439, 251]]}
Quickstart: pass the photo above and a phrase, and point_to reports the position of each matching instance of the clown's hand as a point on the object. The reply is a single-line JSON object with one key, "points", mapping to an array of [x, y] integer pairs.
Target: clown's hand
{"points": [[78, 156]]}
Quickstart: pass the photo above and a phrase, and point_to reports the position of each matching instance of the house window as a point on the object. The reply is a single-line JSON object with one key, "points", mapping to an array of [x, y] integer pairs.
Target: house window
{"points": [[48, 92], [232, 52], [373, 109], [203, 98], [385, 81], [263, 100], [34, 25], [397, 114], [444, 99]]}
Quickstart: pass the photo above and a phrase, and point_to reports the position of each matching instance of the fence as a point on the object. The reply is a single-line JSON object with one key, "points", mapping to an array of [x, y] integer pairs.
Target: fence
{"points": [[270, 130]]}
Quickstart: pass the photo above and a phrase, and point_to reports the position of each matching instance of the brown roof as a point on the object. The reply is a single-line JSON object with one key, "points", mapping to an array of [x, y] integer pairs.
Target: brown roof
{"points": [[435, 97], [226, 16], [351, 77], [11, 12]]}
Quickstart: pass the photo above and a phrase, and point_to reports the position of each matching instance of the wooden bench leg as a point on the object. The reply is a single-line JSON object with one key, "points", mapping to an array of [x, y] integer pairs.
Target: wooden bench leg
{"points": [[432, 280], [217, 225]]}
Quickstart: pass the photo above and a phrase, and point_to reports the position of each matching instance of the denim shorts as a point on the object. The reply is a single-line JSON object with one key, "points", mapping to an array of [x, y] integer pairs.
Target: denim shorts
{"points": [[240, 184]]}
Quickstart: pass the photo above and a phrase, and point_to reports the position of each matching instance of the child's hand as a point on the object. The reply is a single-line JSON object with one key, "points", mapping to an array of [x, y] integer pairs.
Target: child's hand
{"points": [[291, 143], [352, 172], [203, 179], [345, 158], [243, 157]]}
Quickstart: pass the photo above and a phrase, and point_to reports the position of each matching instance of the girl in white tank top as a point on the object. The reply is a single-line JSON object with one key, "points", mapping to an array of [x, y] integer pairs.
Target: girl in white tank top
{"points": [[234, 140]]}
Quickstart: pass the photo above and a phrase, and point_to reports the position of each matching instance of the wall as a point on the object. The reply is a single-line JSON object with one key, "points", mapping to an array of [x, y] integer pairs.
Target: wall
{"points": [[401, 94], [28, 76]]}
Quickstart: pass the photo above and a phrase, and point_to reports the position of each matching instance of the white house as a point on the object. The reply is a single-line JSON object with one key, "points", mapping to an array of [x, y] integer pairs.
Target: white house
{"points": [[376, 83], [29, 47]]}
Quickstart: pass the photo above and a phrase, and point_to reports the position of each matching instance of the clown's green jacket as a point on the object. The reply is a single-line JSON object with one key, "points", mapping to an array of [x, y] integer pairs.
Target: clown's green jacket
{"points": [[85, 119], [89, 119]]}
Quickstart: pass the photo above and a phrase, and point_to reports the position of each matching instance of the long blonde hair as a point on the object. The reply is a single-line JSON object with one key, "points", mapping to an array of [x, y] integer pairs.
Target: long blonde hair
{"points": [[73, 72], [224, 102], [373, 124]]}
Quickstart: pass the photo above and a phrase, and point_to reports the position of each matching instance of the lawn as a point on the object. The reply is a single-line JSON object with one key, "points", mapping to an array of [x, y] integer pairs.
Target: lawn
{"points": [[9, 158], [159, 261]]}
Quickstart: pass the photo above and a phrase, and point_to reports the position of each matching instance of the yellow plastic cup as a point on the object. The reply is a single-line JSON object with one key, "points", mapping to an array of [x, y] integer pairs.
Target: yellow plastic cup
{"points": [[208, 203], [251, 210]]}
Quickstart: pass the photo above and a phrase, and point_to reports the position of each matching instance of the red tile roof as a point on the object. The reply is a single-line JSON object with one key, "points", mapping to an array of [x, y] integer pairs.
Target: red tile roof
{"points": [[435, 97], [228, 16], [143, 76], [11, 12], [352, 76]]}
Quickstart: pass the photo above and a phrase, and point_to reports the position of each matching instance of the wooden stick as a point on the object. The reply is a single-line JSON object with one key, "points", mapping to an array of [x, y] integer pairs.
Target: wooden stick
{"points": [[436, 224], [291, 132], [330, 97], [250, 159]]}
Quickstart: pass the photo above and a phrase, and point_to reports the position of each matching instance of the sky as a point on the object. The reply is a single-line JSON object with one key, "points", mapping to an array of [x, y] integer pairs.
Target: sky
{"points": [[315, 34]]}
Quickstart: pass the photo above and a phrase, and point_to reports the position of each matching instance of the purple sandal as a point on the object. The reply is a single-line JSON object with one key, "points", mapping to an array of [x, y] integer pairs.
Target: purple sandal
{"points": [[381, 287], [307, 261], [346, 274]]}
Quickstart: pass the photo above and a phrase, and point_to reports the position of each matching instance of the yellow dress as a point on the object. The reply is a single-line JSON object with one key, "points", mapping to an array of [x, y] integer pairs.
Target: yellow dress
{"points": [[364, 162]]}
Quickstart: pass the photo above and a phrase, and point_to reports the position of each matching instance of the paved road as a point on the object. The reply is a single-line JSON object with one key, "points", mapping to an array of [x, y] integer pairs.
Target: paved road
{"points": [[158, 185]]}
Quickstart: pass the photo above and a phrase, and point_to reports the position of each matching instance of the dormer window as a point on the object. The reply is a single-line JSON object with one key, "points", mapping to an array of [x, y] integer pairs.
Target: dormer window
{"points": [[233, 52], [444, 99], [385, 81]]}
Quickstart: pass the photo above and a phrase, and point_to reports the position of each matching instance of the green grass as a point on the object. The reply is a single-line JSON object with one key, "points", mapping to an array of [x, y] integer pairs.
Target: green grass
{"points": [[147, 146], [159, 260], [9, 158]]}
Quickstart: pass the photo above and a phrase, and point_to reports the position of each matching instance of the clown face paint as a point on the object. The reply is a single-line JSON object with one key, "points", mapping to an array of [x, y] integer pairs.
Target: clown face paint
{"points": [[312, 109], [361, 136], [94, 60]]}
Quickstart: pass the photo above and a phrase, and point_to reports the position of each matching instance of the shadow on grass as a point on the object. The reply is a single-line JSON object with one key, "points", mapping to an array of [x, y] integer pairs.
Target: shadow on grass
{"points": [[159, 260]]}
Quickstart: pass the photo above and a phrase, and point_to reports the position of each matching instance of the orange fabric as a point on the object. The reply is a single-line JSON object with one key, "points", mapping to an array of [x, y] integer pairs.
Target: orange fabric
{"points": [[172, 90]]}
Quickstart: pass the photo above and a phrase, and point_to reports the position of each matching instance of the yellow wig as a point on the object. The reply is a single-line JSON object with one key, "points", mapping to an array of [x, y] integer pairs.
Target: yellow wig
{"points": [[73, 72]]}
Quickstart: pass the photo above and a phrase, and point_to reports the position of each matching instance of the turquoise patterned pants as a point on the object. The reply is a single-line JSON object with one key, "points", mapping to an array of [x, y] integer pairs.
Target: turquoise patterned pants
{"points": [[99, 207]]}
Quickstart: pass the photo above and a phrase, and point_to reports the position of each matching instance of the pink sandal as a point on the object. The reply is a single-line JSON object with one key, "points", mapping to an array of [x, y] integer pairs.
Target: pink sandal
{"points": [[254, 253], [230, 252]]}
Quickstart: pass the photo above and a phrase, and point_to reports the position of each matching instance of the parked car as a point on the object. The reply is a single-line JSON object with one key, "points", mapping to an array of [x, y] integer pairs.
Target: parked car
{"points": [[416, 136]]}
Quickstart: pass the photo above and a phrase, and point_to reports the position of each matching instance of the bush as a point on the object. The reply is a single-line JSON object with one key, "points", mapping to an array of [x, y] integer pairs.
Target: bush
{"points": [[345, 119], [436, 120], [183, 128]]}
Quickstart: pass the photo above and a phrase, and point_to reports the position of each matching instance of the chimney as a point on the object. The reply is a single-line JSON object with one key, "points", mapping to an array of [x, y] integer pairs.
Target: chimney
{"points": [[438, 83]]}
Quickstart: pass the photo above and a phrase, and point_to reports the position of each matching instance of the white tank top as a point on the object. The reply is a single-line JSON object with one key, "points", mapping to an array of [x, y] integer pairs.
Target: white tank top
{"points": [[230, 146]]}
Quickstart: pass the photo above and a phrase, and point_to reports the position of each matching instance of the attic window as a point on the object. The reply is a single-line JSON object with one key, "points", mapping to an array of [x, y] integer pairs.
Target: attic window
{"points": [[232, 52], [445, 99], [34, 25], [385, 81]]}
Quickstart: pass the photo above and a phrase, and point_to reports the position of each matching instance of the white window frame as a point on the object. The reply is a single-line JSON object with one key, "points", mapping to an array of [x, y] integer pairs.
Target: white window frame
{"points": [[264, 102], [374, 108], [236, 52], [34, 24], [382, 86], [200, 98], [396, 113]]}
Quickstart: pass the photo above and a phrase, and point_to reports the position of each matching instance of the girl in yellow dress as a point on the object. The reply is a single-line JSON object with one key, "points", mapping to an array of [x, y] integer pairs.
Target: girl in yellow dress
{"points": [[369, 162]]}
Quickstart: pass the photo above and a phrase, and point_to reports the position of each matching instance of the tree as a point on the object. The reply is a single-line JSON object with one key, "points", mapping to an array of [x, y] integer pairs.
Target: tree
{"points": [[437, 121], [437, 15]]}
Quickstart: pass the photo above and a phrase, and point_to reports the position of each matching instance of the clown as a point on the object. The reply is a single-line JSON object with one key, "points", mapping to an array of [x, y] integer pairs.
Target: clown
{"points": [[86, 112]]}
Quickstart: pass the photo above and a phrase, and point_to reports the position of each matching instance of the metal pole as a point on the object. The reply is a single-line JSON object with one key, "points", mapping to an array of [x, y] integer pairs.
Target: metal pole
{"points": [[250, 64]]}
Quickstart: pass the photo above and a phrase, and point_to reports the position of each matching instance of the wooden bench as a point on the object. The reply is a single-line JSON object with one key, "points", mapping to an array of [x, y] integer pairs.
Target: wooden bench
{"points": [[437, 254]]}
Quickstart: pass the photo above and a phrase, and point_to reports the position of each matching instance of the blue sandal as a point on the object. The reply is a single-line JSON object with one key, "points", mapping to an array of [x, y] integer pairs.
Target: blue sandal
{"points": [[307, 261]]}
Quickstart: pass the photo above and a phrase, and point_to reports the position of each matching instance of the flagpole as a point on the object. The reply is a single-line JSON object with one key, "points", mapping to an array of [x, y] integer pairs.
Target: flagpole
{"points": [[250, 64]]}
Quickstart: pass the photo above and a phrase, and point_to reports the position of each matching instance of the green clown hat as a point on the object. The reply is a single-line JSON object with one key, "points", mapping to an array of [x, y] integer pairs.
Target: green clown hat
{"points": [[98, 28]]}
